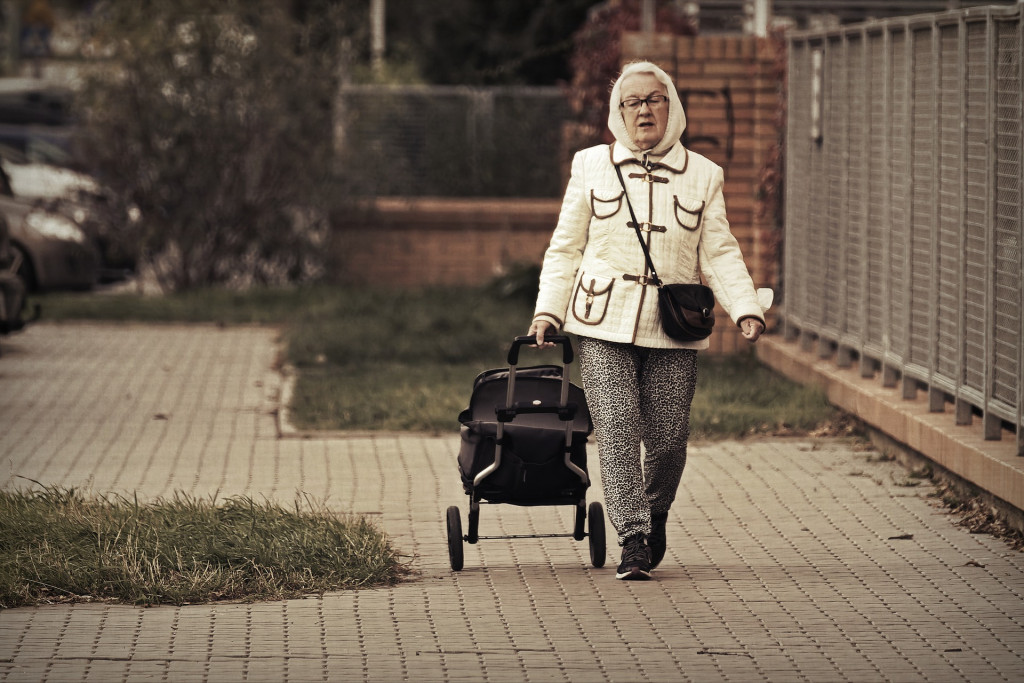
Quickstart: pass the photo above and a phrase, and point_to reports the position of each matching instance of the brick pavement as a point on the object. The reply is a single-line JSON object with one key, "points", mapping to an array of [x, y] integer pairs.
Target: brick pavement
{"points": [[789, 560]]}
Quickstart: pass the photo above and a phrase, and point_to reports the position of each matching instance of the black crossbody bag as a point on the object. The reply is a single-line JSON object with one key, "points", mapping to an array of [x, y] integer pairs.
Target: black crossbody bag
{"points": [[687, 311]]}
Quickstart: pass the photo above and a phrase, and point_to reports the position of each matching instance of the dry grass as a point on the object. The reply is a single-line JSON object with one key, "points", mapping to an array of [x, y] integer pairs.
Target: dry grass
{"points": [[61, 545]]}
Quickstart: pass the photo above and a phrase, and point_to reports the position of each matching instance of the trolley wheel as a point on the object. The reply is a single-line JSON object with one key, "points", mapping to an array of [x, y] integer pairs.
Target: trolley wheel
{"points": [[598, 543], [474, 524], [455, 538], [579, 531]]}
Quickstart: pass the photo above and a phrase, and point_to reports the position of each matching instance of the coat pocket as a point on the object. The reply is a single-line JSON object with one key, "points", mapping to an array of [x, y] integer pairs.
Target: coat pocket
{"points": [[688, 212], [605, 208], [590, 301]]}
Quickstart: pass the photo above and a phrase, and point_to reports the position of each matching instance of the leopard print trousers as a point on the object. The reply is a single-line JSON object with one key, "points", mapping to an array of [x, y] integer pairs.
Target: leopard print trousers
{"points": [[638, 395]]}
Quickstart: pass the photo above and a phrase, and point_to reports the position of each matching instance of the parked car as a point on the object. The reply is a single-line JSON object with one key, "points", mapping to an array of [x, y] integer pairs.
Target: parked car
{"points": [[12, 289], [52, 250], [34, 101], [62, 190], [49, 246]]}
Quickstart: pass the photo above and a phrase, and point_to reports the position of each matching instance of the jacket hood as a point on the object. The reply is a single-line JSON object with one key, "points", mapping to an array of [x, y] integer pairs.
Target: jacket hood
{"points": [[676, 117]]}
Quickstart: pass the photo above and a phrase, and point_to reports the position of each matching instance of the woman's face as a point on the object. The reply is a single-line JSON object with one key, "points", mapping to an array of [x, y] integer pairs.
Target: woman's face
{"points": [[646, 124]]}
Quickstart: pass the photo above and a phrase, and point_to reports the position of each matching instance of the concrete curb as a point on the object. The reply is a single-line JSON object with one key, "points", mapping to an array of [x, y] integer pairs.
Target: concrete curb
{"points": [[992, 466]]}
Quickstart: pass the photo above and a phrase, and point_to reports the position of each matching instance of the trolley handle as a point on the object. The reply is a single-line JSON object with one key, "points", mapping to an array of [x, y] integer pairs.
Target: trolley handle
{"points": [[565, 413], [567, 356]]}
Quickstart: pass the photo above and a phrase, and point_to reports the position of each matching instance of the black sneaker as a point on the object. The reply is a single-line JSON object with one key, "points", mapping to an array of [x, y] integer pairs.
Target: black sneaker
{"points": [[657, 538], [636, 560]]}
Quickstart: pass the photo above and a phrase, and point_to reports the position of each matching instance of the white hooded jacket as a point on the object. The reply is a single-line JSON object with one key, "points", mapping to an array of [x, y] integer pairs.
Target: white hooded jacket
{"points": [[593, 277]]}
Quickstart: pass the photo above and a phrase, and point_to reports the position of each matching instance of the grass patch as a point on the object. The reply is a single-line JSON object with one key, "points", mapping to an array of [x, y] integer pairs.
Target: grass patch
{"points": [[266, 306], [375, 359], [59, 545], [738, 396], [383, 396]]}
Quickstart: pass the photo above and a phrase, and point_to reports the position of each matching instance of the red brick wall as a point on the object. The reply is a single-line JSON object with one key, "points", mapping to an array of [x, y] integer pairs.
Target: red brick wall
{"points": [[432, 241], [731, 105]]}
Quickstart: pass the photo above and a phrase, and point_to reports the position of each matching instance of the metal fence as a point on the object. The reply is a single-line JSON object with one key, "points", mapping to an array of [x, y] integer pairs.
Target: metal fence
{"points": [[452, 141], [903, 207]]}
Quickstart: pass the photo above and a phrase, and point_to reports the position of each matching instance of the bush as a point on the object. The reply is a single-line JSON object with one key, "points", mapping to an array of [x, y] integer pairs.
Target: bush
{"points": [[211, 128]]}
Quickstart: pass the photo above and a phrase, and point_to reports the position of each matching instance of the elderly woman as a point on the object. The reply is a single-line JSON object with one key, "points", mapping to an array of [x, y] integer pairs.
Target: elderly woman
{"points": [[639, 382]]}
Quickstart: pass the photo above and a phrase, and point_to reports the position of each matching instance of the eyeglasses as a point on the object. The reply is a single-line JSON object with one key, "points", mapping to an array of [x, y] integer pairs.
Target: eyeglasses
{"points": [[634, 103]]}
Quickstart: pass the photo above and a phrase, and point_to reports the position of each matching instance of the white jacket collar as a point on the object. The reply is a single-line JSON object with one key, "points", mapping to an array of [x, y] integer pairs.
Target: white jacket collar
{"points": [[676, 160]]}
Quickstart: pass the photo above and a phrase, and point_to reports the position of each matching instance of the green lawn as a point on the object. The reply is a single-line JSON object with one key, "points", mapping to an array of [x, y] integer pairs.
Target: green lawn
{"points": [[406, 360]]}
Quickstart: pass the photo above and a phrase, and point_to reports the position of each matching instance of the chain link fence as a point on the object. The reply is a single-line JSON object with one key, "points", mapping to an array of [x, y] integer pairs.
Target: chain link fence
{"points": [[904, 201], [448, 141]]}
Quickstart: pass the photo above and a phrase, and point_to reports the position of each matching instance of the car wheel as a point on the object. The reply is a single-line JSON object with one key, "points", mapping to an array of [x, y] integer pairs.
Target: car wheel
{"points": [[26, 272]]}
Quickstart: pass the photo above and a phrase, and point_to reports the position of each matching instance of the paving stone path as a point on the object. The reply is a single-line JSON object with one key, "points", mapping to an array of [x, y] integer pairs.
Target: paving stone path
{"points": [[789, 560]]}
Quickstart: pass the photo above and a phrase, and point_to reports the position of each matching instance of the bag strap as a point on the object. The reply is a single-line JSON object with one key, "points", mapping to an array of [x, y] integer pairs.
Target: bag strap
{"points": [[639, 235], [636, 225]]}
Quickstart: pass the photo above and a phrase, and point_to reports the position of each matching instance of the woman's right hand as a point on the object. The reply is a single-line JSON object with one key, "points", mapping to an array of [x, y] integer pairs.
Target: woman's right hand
{"points": [[541, 329]]}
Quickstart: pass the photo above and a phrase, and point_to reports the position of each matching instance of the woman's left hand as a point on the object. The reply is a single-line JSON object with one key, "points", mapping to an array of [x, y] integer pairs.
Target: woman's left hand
{"points": [[752, 328]]}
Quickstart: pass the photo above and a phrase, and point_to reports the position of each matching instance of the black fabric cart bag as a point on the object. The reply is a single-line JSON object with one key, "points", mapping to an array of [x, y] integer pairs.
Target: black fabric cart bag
{"points": [[532, 465]]}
